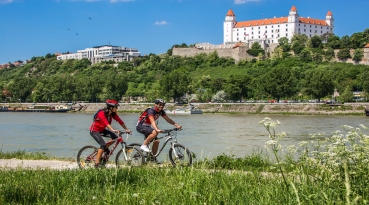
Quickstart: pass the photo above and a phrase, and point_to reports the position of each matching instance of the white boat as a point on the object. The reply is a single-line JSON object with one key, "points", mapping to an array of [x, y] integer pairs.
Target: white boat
{"points": [[184, 111]]}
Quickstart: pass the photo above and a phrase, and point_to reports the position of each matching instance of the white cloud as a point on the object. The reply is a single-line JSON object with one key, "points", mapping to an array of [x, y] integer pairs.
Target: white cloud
{"points": [[244, 1], [114, 1], [161, 23], [5, 1]]}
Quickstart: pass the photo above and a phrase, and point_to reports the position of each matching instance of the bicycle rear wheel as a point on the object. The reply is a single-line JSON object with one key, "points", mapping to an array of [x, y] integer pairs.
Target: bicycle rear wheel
{"points": [[180, 155], [86, 157], [133, 157]]}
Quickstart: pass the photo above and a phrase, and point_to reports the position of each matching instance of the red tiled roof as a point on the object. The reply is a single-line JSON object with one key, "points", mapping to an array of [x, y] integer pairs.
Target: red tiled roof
{"points": [[237, 44], [329, 13], [313, 21], [367, 46], [293, 8], [265, 22], [230, 13]]}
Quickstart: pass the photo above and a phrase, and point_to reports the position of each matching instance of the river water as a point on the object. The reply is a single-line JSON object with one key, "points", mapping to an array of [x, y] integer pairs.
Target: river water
{"points": [[207, 135]]}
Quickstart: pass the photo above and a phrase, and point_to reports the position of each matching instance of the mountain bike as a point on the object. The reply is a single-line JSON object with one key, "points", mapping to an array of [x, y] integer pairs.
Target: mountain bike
{"points": [[128, 156], [179, 155]]}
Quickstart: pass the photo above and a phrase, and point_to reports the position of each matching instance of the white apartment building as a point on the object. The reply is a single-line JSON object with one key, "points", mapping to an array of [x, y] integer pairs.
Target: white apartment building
{"points": [[103, 53], [270, 30]]}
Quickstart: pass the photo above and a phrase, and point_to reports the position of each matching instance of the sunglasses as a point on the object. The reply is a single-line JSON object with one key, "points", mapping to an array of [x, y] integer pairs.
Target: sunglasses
{"points": [[161, 104]]}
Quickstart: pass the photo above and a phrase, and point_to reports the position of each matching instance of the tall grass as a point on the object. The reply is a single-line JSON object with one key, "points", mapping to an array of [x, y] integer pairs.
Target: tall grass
{"points": [[325, 170]]}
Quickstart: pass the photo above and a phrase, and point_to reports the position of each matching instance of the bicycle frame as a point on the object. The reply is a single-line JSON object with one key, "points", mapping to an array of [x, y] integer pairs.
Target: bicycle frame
{"points": [[169, 137], [117, 141]]}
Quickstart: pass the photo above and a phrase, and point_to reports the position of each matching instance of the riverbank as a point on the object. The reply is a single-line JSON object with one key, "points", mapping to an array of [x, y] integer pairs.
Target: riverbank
{"points": [[239, 108]]}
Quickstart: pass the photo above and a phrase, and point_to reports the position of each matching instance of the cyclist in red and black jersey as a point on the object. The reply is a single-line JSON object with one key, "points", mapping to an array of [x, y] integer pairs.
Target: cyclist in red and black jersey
{"points": [[102, 120], [146, 125]]}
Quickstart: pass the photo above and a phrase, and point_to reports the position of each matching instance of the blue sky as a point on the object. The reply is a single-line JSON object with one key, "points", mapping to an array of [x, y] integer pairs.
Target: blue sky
{"points": [[36, 27]]}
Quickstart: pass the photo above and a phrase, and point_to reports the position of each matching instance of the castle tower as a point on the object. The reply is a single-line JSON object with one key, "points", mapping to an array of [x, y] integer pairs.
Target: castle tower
{"points": [[293, 16], [330, 21], [229, 23]]}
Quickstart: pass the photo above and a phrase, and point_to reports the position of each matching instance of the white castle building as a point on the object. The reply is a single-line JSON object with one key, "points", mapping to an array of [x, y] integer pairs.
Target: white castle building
{"points": [[270, 30], [103, 53]]}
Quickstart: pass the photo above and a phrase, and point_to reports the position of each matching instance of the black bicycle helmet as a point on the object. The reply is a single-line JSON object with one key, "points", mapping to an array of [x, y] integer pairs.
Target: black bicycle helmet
{"points": [[112, 103], [159, 101]]}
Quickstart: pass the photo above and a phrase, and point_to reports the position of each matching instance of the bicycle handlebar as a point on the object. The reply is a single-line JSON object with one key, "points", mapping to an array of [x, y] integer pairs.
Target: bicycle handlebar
{"points": [[168, 131]]}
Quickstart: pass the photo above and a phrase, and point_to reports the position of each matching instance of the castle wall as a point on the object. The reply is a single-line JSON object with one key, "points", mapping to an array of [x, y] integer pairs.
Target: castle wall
{"points": [[239, 53]]}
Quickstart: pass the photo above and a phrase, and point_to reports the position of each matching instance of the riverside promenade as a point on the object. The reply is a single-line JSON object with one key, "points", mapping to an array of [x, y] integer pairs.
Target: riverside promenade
{"points": [[239, 108]]}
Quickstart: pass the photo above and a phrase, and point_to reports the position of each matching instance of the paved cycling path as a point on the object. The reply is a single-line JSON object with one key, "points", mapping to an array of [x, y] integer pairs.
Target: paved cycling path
{"points": [[36, 164]]}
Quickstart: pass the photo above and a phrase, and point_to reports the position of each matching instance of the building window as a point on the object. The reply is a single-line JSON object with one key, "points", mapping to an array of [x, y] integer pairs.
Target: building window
{"points": [[278, 35], [286, 34], [272, 31], [310, 26], [321, 31], [259, 27], [259, 36], [272, 41], [315, 31], [252, 37], [237, 34], [278, 25], [237, 39], [266, 26], [259, 32], [252, 28], [310, 30], [272, 35], [244, 29], [272, 26], [286, 29], [304, 30], [244, 38], [252, 32], [237, 29], [304, 25]]}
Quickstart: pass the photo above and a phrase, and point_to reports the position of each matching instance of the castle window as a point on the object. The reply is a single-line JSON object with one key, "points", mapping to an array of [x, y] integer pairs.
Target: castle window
{"points": [[259, 27], [310, 30], [237, 39], [315, 26], [286, 29], [272, 41], [278, 25], [244, 38], [315, 31], [272, 36], [310, 26], [304, 25], [321, 31], [286, 34], [259, 32], [272, 26], [252, 32], [304, 30], [252, 37], [278, 35], [244, 29], [266, 26], [272, 31], [259, 36], [237, 29], [252, 28]]}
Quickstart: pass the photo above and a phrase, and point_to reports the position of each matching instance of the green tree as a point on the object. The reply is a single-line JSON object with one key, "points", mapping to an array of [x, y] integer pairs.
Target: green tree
{"points": [[329, 54], [344, 54], [316, 41], [318, 83], [175, 85], [358, 54], [284, 44], [255, 49], [237, 87], [279, 82]]}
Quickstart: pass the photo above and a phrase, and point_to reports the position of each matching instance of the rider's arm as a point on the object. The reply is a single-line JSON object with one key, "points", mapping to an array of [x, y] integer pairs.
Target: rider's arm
{"points": [[153, 123], [120, 121], [170, 121]]}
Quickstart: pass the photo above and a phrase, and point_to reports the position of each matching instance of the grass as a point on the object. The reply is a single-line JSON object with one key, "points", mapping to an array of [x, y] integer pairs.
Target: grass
{"points": [[325, 170]]}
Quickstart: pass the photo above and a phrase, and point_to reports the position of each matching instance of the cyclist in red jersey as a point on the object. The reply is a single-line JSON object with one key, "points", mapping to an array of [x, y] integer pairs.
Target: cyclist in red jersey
{"points": [[102, 120], [146, 125]]}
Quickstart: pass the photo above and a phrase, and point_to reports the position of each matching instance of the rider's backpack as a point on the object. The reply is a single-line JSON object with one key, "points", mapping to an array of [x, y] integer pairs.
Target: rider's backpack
{"points": [[95, 115]]}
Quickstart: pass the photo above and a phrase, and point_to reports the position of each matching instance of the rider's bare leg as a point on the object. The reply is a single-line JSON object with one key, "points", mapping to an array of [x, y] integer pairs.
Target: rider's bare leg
{"points": [[155, 146], [149, 138], [98, 155]]}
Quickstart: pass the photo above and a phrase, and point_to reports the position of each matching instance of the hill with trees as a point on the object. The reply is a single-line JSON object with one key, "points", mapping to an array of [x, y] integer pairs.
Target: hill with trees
{"points": [[306, 74]]}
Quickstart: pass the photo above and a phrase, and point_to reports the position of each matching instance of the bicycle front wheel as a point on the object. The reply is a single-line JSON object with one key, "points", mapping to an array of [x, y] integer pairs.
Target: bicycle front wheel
{"points": [[132, 157], [86, 157], [180, 155]]}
